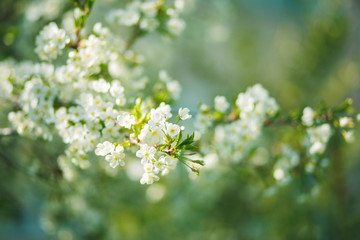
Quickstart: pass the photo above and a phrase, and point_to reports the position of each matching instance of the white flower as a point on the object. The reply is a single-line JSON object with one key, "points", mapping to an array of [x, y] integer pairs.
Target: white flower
{"points": [[151, 137], [164, 76], [184, 113], [129, 17], [258, 92], [78, 12], [317, 148], [126, 120], [38, 91], [172, 129], [50, 42], [349, 136], [100, 30], [176, 26], [116, 90], [149, 24], [104, 110], [321, 133], [245, 102], [157, 119], [271, 107], [202, 122], [86, 100], [62, 118], [179, 4], [278, 174], [104, 148], [149, 178], [318, 138], [144, 132], [344, 122], [110, 131], [160, 164], [149, 8], [146, 153], [101, 85], [76, 113], [77, 132], [165, 110], [174, 88], [148, 167], [121, 101], [89, 141], [221, 104], [110, 116], [155, 137], [116, 157], [204, 108], [358, 117], [308, 116], [93, 127]]}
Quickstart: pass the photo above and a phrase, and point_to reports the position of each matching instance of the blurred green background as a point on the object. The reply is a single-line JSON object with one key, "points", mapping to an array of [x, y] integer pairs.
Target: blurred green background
{"points": [[303, 51]]}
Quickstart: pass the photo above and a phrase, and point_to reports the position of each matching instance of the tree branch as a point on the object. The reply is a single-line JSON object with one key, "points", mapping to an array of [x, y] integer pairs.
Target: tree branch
{"points": [[134, 36], [86, 6]]}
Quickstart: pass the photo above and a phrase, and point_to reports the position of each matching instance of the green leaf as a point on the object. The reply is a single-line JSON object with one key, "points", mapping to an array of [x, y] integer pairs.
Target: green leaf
{"points": [[162, 147], [90, 3], [189, 147], [188, 140], [178, 139], [200, 162], [137, 108], [169, 140]]}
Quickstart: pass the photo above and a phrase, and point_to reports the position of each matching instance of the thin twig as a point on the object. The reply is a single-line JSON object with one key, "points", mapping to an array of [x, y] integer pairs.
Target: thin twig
{"points": [[83, 6], [134, 36], [281, 122]]}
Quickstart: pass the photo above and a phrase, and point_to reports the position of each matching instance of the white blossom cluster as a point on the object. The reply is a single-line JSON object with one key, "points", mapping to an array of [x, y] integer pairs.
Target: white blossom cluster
{"points": [[221, 104], [317, 138], [308, 116], [95, 102], [84, 102], [36, 98], [114, 154], [288, 160], [100, 52], [46, 9], [150, 15], [66, 98], [233, 138], [147, 132], [99, 48], [347, 125], [51, 41], [319, 133], [36, 101], [82, 126]]}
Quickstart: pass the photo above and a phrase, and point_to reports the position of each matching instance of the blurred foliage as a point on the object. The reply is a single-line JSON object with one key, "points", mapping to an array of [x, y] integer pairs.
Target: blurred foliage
{"points": [[303, 51]]}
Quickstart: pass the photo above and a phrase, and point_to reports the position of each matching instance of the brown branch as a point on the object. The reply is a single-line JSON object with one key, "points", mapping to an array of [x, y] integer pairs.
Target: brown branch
{"points": [[281, 122], [75, 44], [83, 6], [134, 36]]}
